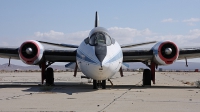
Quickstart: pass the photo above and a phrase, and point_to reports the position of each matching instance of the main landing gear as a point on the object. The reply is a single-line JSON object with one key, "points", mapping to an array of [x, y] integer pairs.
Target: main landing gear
{"points": [[149, 75], [98, 84], [49, 76], [47, 73]]}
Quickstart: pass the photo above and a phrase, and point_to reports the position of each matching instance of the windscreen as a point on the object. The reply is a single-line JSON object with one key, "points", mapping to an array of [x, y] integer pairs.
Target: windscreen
{"points": [[100, 38]]}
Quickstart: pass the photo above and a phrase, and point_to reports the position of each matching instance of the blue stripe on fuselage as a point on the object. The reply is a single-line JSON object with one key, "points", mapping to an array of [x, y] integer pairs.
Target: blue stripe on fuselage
{"points": [[84, 57], [115, 58]]}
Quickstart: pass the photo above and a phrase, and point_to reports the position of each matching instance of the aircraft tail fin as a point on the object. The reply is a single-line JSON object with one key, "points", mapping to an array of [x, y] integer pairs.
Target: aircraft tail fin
{"points": [[96, 20]]}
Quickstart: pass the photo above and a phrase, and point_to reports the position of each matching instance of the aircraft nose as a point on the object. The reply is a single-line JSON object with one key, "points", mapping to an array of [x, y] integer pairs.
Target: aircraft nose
{"points": [[100, 52]]}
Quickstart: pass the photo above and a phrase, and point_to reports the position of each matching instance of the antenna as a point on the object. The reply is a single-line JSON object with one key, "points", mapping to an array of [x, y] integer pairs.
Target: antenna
{"points": [[96, 20]]}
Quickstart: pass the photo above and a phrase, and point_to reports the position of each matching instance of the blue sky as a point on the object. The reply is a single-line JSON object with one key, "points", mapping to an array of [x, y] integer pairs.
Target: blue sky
{"points": [[69, 21]]}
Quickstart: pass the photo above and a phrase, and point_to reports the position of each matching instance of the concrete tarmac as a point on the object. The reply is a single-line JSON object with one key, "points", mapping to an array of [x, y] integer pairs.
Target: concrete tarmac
{"points": [[173, 92]]}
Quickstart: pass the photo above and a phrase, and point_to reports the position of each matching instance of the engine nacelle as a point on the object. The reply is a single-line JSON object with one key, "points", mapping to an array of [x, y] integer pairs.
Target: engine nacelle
{"points": [[31, 52], [165, 53]]}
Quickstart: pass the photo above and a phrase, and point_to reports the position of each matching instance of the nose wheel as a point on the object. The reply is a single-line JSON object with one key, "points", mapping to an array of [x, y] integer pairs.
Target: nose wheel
{"points": [[98, 84]]}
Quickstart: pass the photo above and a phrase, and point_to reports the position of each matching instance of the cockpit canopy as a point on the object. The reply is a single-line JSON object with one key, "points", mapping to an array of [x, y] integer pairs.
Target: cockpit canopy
{"points": [[99, 36]]}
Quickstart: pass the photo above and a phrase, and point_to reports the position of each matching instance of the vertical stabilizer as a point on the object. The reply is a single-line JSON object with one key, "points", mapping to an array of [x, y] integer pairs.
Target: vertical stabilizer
{"points": [[96, 20]]}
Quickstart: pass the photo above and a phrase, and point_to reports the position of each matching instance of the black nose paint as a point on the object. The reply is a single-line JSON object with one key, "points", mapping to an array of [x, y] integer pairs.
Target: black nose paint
{"points": [[100, 52]]}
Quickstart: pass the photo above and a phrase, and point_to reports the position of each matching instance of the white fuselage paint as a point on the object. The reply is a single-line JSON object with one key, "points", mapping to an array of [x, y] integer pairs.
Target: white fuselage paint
{"points": [[90, 66]]}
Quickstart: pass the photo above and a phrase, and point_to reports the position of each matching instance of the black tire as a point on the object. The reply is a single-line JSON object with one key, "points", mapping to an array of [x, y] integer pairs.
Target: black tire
{"points": [[103, 84], [94, 84], [49, 76], [147, 77]]}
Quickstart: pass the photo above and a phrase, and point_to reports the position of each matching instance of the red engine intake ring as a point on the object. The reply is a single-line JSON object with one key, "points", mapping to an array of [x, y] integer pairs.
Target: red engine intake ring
{"points": [[31, 60], [167, 61]]}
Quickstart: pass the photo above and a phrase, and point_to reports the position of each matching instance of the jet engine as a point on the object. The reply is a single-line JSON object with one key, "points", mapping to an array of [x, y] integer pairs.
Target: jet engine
{"points": [[31, 52], [165, 53]]}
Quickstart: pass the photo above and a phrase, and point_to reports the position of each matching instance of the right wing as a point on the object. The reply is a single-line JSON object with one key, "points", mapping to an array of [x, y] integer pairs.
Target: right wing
{"points": [[49, 55], [32, 52], [189, 53], [60, 55], [60, 45], [9, 53]]}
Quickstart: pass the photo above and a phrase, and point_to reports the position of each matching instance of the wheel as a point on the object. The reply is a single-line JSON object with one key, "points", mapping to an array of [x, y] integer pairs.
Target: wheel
{"points": [[103, 84], [94, 84], [146, 77], [49, 76]]}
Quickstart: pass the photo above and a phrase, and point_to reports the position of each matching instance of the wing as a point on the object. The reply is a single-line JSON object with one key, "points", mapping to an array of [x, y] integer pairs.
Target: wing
{"points": [[148, 54], [189, 53], [60, 55], [49, 55], [9, 53], [137, 44], [32, 52], [137, 55], [60, 45]]}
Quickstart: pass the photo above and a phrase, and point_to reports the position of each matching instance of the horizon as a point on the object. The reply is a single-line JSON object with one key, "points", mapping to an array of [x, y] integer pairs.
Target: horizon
{"points": [[71, 21]]}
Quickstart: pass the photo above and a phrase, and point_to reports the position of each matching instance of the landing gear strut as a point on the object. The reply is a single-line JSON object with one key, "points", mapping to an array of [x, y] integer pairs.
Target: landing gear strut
{"points": [[97, 84]]}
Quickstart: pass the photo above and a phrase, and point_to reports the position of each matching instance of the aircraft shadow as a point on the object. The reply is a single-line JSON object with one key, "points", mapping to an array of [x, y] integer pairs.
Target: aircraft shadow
{"points": [[77, 87], [152, 87]]}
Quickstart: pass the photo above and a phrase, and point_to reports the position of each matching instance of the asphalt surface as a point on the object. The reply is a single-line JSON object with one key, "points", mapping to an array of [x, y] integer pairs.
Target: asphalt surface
{"points": [[173, 92]]}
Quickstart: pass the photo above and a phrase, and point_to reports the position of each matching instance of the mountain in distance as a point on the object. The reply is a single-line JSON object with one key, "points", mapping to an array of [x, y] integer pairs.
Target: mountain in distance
{"points": [[136, 65], [174, 66], [13, 67]]}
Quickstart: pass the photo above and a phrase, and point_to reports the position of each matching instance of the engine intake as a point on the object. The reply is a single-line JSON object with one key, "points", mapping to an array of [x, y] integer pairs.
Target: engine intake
{"points": [[31, 52], [165, 53]]}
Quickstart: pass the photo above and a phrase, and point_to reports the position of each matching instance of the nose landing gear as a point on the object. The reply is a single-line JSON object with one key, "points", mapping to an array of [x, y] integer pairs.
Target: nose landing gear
{"points": [[98, 84]]}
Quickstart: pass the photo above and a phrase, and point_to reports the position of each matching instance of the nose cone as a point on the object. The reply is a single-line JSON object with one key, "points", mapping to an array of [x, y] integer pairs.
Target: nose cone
{"points": [[100, 52]]}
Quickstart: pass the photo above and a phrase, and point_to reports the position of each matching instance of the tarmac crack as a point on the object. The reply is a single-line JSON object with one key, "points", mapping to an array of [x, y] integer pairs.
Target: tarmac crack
{"points": [[15, 97], [178, 80], [116, 99]]}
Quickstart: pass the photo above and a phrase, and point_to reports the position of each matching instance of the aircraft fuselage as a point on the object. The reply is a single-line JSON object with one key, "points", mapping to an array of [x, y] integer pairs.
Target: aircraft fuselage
{"points": [[99, 56]]}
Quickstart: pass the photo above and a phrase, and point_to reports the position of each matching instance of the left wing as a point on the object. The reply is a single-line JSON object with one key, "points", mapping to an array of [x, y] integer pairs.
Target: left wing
{"points": [[137, 44], [137, 55], [162, 53]]}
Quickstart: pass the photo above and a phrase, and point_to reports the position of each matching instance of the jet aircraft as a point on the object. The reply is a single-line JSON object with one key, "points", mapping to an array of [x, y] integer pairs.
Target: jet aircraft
{"points": [[99, 56]]}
